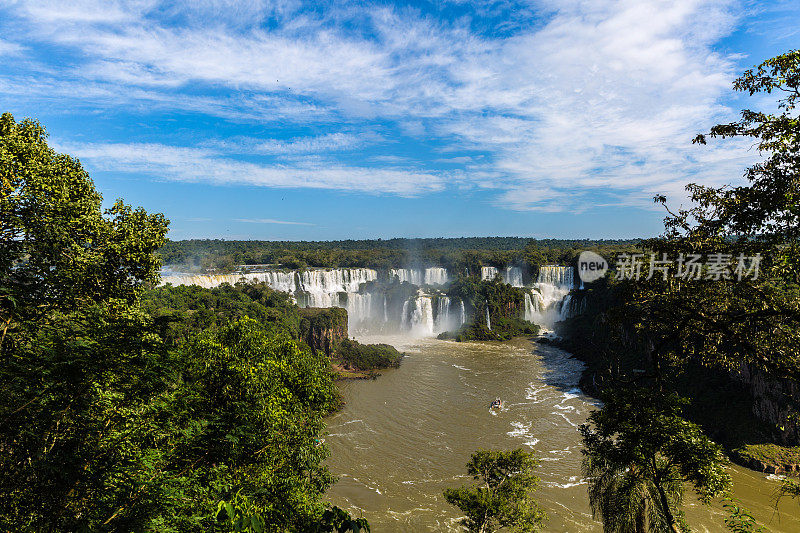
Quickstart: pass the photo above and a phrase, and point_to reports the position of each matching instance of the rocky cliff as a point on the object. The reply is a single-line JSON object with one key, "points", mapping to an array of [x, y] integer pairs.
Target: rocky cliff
{"points": [[775, 402], [323, 328]]}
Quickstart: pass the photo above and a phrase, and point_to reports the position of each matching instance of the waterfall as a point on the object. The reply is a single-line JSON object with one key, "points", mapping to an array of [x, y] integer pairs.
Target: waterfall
{"points": [[442, 319], [556, 275], [488, 320], [450, 315], [513, 276], [510, 275], [369, 309], [309, 281], [409, 275], [338, 280], [418, 316], [549, 298], [361, 311], [531, 307], [428, 276], [436, 276], [280, 281]]}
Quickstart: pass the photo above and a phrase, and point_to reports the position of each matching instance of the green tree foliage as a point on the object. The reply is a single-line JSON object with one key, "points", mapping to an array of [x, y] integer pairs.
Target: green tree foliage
{"points": [[639, 452], [81, 370], [183, 311], [256, 402], [355, 355], [59, 251], [740, 520], [460, 255], [239, 515], [756, 321], [112, 420], [503, 494], [505, 304]]}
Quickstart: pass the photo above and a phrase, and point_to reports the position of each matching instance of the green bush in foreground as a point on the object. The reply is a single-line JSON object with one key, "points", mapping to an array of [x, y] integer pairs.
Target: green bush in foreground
{"points": [[358, 356], [503, 494]]}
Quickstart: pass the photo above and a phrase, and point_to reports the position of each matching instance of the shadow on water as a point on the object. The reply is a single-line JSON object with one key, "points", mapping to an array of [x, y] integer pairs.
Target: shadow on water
{"points": [[400, 440]]}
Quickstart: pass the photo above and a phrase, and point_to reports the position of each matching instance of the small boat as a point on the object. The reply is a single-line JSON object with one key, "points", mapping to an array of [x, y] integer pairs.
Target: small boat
{"points": [[496, 404]]}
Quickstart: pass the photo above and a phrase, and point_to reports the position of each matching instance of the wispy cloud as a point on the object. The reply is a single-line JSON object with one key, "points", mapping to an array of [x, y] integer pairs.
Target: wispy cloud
{"points": [[273, 221], [9, 48], [330, 142], [569, 100], [207, 165]]}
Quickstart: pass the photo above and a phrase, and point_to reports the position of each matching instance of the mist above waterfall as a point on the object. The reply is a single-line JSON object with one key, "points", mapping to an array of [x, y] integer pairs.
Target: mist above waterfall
{"points": [[549, 298], [412, 301]]}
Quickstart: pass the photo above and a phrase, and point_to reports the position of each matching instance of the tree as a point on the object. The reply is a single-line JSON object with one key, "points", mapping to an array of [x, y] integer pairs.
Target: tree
{"points": [[638, 457], [503, 496], [740, 520], [252, 403], [103, 425], [59, 249], [755, 320], [82, 376]]}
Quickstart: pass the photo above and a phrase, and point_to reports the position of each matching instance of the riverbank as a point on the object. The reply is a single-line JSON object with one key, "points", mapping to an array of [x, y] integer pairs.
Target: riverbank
{"points": [[398, 441], [720, 404], [769, 458]]}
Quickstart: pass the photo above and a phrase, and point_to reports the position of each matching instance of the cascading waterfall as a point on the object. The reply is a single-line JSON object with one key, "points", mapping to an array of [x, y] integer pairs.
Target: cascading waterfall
{"points": [[488, 273], [450, 314], [415, 276], [361, 310], [531, 306], [436, 276], [549, 298], [278, 280], [488, 320], [429, 312], [513, 276], [442, 313], [421, 318], [418, 316]]}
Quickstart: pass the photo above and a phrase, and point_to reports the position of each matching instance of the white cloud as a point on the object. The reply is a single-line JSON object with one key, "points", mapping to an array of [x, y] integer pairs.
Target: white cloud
{"points": [[331, 142], [9, 48], [591, 96], [207, 165], [273, 221]]}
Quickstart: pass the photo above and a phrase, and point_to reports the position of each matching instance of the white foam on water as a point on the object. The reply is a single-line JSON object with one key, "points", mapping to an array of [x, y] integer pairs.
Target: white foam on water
{"points": [[573, 481], [562, 415]]}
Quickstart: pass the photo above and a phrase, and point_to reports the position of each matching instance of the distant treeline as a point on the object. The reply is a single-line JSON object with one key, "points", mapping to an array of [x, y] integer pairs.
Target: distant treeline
{"points": [[457, 254]]}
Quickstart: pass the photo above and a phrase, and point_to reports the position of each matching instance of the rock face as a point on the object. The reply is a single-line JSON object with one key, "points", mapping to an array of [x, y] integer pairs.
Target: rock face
{"points": [[773, 400], [323, 328]]}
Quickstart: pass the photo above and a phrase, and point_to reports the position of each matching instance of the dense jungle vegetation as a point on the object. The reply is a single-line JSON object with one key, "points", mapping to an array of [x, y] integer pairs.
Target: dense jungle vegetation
{"points": [[458, 255], [173, 410]]}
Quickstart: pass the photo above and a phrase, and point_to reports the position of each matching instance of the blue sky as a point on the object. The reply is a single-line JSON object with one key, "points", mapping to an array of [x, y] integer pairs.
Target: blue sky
{"points": [[293, 120]]}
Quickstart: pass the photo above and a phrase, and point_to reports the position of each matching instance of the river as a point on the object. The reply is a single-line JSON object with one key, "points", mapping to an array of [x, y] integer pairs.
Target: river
{"points": [[404, 437]]}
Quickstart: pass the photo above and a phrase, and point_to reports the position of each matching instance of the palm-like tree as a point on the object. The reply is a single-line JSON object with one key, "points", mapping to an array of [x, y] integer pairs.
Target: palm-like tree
{"points": [[638, 457]]}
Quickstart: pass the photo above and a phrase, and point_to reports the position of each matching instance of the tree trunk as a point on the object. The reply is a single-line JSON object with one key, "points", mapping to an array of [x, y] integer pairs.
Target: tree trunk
{"points": [[673, 526]]}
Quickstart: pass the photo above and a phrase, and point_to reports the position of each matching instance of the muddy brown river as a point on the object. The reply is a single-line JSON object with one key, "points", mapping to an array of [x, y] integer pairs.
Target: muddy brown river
{"points": [[404, 437]]}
